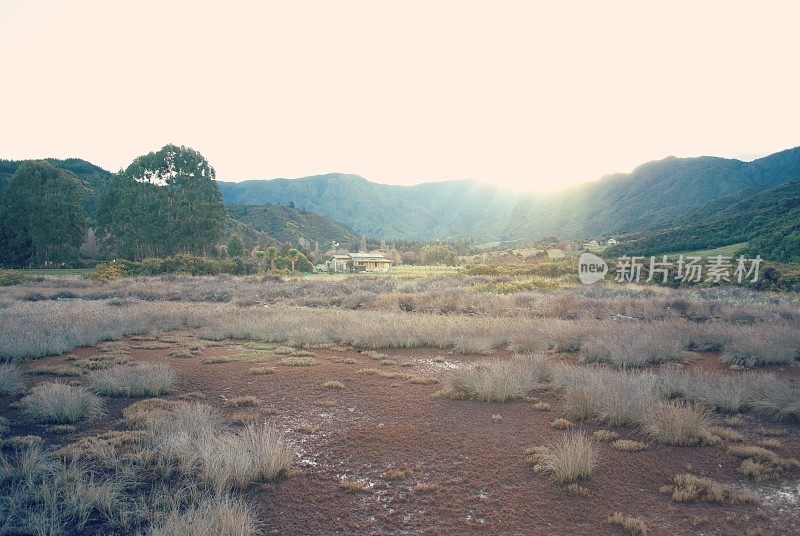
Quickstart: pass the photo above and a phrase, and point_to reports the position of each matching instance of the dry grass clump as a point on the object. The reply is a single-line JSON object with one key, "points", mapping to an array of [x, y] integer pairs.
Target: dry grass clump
{"points": [[396, 474], [22, 442], [562, 424], [762, 347], [628, 445], [10, 379], [43, 495], [262, 371], [425, 487], [689, 488], [61, 370], [58, 403], [728, 434], [634, 525], [298, 361], [541, 406], [681, 425], [771, 432], [472, 345], [243, 402], [497, 417], [141, 380], [372, 354], [216, 516], [605, 435], [633, 344], [344, 360], [570, 458], [333, 384], [577, 490], [219, 360], [771, 443], [353, 486], [498, 381], [62, 429], [760, 463], [423, 380], [775, 399]]}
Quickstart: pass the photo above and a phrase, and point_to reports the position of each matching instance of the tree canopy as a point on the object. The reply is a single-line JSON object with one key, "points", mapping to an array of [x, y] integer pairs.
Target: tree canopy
{"points": [[42, 218], [165, 202]]}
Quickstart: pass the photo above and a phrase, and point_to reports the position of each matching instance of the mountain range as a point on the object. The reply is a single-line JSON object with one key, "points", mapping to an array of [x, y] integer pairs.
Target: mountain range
{"points": [[712, 201], [653, 195]]}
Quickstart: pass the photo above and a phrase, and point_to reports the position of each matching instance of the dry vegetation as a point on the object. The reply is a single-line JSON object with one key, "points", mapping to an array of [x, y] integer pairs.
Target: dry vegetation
{"points": [[601, 356]]}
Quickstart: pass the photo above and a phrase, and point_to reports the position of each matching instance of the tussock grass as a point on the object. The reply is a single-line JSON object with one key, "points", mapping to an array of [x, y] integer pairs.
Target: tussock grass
{"points": [[628, 445], [333, 384], [58, 403], [10, 379], [690, 488], [680, 425], [215, 516], [298, 361], [562, 424], [22, 442], [541, 406], [353, 486], [243, 402], [634, 344], [141, 380], [763, 346], [604, 435], [571, 457], [262, 371], [396, 474], [760, 463], [498, 381], [423, 380], [633, 525]]}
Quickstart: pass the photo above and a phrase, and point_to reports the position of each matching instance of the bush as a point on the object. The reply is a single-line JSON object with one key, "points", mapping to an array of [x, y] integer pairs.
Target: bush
{"points": [[141, 380], [680, 425], [633, 345], [58, 403]]}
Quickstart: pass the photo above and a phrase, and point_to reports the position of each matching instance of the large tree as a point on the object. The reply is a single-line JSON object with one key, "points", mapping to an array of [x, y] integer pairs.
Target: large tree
{"points": [[165, 202], [42, 219]]}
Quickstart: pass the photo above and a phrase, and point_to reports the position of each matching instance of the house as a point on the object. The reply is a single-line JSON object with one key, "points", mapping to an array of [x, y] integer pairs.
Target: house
{"points": [[360, 262], [612, 242]]}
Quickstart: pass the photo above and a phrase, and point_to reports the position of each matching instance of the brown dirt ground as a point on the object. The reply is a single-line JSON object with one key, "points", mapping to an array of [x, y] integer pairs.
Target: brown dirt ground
{"points": [[482, 484]]}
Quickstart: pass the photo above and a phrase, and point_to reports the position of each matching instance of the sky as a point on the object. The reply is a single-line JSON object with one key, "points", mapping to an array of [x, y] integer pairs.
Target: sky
{"points": [[526, 95]]}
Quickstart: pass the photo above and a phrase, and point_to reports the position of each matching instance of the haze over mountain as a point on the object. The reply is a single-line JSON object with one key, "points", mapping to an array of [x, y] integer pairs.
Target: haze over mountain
{"points": [[652, 195]]}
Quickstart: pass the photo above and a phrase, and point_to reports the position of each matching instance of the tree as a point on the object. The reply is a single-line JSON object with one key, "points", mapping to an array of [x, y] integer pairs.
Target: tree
{"points": [[42, 219], [438, 254], [165, 202], [294, 256], [272, 254], [236, 246]]}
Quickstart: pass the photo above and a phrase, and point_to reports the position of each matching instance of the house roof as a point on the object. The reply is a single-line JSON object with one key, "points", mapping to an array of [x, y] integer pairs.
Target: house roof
{"points": [[372, 257], [347, 257]]}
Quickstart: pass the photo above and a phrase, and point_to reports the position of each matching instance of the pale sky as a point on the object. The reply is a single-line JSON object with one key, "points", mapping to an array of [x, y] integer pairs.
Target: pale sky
{"points": [[521, 94]]}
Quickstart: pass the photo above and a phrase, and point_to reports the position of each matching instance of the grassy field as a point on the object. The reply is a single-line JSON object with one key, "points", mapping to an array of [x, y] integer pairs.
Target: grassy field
{"points": [[227, 405], [726, 251]]}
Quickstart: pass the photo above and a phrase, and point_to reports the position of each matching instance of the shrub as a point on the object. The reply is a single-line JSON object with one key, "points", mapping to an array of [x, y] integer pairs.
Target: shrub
{"points": [[137, 381], [10, 379], [628, 445], [571, 457], [58, 403]]}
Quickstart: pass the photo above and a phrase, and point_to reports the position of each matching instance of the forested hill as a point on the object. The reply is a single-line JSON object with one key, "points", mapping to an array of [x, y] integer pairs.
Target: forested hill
{"points": [[286, 224], [655, 194], [422, 212], [768, 220], [94, 179]]}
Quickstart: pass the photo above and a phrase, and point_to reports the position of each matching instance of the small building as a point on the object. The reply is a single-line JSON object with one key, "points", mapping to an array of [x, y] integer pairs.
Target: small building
{"points": [[341, 263], [612, 242], [359, 262]]}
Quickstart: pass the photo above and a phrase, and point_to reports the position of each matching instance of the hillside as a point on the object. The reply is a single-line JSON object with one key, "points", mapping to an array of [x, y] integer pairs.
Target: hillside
{"points": [[93, 178], [426, 211], [769, 221], [654, 194], [285, 224]]}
